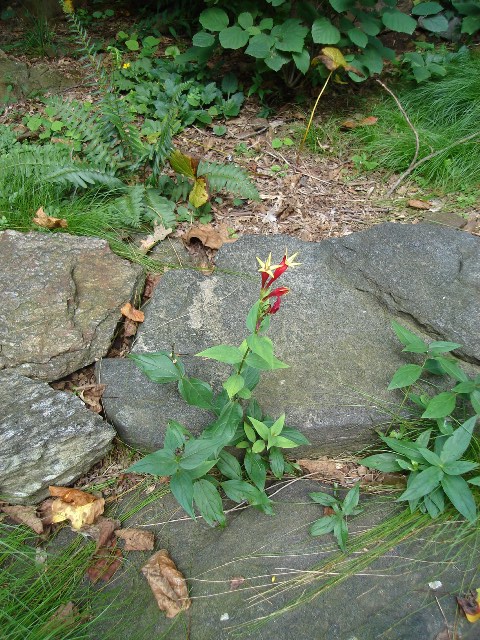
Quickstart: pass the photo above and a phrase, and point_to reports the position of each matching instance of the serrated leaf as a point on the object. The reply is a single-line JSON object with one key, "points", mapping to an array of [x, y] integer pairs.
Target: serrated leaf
{"points": [[459, 467], [260, 46], [440, 405], [302, 60], [430, 457], [245, 20], [255, 468], [404, 448], [261, 428], [214, 19], [229, 466], [459, 494], [175, 436], [435, 24], [195, 452], [158, 463], [342, 5], [426, 8], [196, 392], [398, 21], [405, 376], [209, 503], [324, 32], [451, 368], [290, 36], [203, 39], [358, 37], [456, 445], [233, 384], [222, 353], [422, 484], [258, 446], [225, 426], [277, 462]]}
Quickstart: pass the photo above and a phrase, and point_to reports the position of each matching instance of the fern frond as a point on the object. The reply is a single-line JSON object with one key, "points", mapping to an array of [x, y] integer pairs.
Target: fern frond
{"points": [[81, 177], [159, 207], [228, 177]]}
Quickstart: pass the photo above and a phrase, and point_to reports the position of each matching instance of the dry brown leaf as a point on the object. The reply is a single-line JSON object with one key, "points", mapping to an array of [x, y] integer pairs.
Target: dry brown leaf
{"points": [[26, 515], [130, 328], [419, 204], [72, 496], [78, 515], [136, 539], [151, 282], [167, 583], [48, 222], [369, 121], [106, 561], [65, 615], [159, 233], [92, 394], [323, 468], [236, 582], [45, 511], [208, 236], [101, 531], [131, 313]]}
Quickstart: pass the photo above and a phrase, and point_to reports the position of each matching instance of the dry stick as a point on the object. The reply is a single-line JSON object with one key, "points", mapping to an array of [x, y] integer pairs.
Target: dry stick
{"points": [[417, 141]]}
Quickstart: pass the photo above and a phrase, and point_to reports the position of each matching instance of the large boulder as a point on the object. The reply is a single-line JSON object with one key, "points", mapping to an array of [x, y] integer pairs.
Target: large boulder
{"points": [[333, 330], [61, 297], [48, 438]]}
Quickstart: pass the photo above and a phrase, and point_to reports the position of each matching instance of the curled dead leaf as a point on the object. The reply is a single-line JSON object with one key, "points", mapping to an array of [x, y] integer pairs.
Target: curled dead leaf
{"points": [[136, 539], [130, 328], [151, 282], [419, 204], [101, 531], [470, 605], [72, 496], [78, 515], [105, 563], [91, 394], [334, 59], [26, 515], [159, 233], [208, 236], [167, 584], [131, 313], [48, 222]]}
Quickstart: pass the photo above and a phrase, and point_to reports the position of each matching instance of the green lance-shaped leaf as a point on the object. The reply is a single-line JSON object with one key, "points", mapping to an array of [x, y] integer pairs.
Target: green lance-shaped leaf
{"points": [[229, 466], [158, 463], [405, 376], [181, 485], [158, 366], [451, 368], [277, 462], [385, 462], [255, 468], [196, 392], [209, 502], [423, 483], [404, 448], [409, 339], [441, 405], [351, 500], [322, 526], [222, 353], [325, 499], [456, 445], [460, 496], [197, 451], [260, 427], [340, 531], [234, 384]]}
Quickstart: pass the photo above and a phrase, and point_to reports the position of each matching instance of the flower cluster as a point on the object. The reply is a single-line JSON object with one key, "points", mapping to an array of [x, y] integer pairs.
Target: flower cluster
{"points": [[270, 299]]}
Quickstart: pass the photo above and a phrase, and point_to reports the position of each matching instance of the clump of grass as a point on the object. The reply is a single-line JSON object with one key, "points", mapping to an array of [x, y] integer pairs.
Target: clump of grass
{"points": [[443, 112]]}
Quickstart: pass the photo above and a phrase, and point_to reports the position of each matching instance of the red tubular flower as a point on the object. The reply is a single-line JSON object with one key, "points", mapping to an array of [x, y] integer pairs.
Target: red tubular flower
{"points": [[275, 306], [282, 267], [276, 293]]}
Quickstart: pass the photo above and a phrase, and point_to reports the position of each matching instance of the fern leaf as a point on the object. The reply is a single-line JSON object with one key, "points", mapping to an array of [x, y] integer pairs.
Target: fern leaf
{"points": [[80, 177], [228, 177], [159, 207]]}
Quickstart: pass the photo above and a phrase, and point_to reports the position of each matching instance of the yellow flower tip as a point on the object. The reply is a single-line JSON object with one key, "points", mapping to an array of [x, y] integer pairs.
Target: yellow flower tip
{"points": [[125, 65], [290, 261], [68, 6], [267, 266]]}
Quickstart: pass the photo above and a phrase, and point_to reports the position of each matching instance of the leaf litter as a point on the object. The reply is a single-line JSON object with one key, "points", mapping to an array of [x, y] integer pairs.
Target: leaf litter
{"points": [[167, 584]]}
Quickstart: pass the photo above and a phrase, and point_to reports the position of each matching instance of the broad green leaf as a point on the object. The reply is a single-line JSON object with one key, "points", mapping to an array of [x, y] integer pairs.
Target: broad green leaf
{"points": [[325, 499], [244, 393], [423, 483], [183, 164], [459, 494], [233, 37], [471, 24], [385, 462], [358, 37], [405, 376], [201, 470], [209, 503], [261, 428], [214, 19], [290, 36], [233, 384], [423, 438], [456, 445], [451, 368], [255, 468], [351, 500], [398, 21], [459, 467], [441, 405], [197, 451], [158, 463], [223, 429], [196, 392], [438, 498], [203, 39], [294, 435], [324, 32], [435, 24], [229, 466], [302, 60], [282, 442], [251, 377], [277, 462], [260, 46], [261, 346], [252, 317], [408, 338], [475, 400], [437, 347], [277, 426], [254, 410], [432, 509], [340, 531], [475, 481], [238, 491], [222, 353], [430, 457], [258, 446], [175, 436], [405, 464], [432, 366], [257, 362], [369, 23], [158, 366], [249, 432], [245, 20], [181, 485], [464, 387], [275, 61], [403, 447], [426, 8], [132, 45], [342, 5], [322, 526]]}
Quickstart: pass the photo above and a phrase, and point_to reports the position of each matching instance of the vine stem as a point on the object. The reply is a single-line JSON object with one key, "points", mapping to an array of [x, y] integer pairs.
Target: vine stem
{"points": [[312, 114], [415, 133]]}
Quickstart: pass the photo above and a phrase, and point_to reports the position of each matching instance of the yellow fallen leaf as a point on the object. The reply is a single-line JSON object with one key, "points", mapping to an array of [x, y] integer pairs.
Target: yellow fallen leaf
{"points": [[78, 516], [76, 497], [48, 222], [199, 194], [131, 313]]}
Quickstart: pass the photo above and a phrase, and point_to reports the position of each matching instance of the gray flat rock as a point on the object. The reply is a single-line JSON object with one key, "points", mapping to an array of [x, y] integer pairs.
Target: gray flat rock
{"points": [[47, 438], [333, 329], [244, 581], [61, 298]]}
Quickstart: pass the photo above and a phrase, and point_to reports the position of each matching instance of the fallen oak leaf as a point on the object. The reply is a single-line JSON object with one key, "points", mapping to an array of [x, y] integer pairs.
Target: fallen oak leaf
{"points": [[208, 236], [419, 204], [76, 509], [76, 497], [49, 222], [167, 584], [131, 313], [105, 563], [136, 539], [26, 515]]}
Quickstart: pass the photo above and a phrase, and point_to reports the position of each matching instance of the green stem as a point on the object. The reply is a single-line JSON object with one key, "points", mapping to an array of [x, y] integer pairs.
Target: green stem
{"points": [[312, 114]]}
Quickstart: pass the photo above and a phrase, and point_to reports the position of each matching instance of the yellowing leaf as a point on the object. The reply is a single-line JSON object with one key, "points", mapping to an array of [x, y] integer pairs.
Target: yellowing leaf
{"points": [[131, 313], [72, 496], [78, 516], [199, 194], [333, 59], [183, 164], [48, 222], [470, 603]]}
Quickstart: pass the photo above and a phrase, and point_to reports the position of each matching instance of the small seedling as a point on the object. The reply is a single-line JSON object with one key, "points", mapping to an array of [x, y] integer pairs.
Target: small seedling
{"points": [[278, 143], [339, 510]]}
